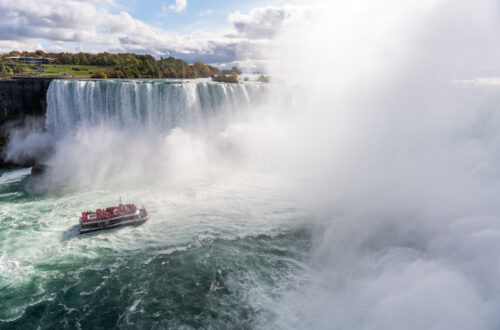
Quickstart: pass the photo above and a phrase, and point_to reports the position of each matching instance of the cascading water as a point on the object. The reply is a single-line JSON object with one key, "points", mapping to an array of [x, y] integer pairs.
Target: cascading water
{"points": [[218, 247], [157, 105]]}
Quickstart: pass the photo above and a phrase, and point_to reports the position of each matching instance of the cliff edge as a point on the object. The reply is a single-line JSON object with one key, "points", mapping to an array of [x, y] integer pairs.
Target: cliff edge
{"points": [[20, 99], [23, 97]]}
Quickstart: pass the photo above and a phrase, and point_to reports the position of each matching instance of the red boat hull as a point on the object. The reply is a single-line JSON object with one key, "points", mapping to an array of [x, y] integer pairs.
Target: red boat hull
{"points": [[112, 217]]}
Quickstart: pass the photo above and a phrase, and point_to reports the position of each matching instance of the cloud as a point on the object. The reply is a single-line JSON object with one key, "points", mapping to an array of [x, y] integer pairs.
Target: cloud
{"points": [[8, 45], [104, 25], [179, 6], [207, 12], [22, 25], [73, 21], [261, 23]]}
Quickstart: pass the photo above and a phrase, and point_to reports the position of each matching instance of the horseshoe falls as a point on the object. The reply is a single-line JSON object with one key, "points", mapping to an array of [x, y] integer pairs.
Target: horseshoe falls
{"points": [[157, 105], [225, 238]]}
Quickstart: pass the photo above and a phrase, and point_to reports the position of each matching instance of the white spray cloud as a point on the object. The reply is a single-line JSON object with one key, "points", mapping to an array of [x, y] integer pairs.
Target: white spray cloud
{"points": [[28, 142], [133, 133], [405, 183]]}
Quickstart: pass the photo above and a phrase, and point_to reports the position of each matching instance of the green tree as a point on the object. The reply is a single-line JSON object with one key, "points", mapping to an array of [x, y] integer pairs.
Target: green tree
{"points": [[128, 65], [99, 75], [201, 70], [5, 69]]}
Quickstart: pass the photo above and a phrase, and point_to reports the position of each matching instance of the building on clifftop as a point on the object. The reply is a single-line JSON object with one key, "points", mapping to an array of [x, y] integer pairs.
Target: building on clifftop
{"points": [[31, 60]]}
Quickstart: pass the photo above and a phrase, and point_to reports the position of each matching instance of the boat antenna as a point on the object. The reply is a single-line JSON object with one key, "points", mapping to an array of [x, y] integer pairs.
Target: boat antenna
{"points": [[120, 200]]}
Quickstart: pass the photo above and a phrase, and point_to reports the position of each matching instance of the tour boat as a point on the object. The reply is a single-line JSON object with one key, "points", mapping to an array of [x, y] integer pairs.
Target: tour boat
{"points": [[111, 217]]}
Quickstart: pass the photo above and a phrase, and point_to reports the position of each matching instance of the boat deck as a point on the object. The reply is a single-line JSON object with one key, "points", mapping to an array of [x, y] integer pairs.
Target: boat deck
{"points": [[111, 217]]}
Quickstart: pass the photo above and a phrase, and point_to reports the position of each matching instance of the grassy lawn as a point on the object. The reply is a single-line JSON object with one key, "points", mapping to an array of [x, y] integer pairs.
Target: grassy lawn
{"points": [[70, 70], [50, 70], [23, 69]]}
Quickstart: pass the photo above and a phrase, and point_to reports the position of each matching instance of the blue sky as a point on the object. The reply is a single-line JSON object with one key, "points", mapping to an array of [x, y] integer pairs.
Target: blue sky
{"points": [[223, 32], [210, 14], [220, 9]]}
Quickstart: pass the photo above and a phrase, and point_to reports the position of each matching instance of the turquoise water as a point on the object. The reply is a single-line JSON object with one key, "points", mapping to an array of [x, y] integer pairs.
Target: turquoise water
{"points": [[214, 254]]}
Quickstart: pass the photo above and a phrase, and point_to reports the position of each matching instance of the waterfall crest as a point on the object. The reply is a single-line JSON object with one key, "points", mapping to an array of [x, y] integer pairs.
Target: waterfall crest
{"points": [[154, 105]]}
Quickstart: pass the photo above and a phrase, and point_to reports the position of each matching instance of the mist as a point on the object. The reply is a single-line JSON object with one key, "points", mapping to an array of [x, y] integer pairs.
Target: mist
{"points": [[404, 164], [136, 133]]}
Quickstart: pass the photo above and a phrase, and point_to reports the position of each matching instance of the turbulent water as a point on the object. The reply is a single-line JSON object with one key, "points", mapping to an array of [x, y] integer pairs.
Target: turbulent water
{"points": [[219, 249], [212, 256]]}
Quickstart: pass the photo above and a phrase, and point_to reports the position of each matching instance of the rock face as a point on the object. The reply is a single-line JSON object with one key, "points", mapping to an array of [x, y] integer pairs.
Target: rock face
{"points": [[20, 98]]}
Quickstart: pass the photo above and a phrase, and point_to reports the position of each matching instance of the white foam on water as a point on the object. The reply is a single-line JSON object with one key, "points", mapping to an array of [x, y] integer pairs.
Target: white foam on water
{"points": [[14, 176]]}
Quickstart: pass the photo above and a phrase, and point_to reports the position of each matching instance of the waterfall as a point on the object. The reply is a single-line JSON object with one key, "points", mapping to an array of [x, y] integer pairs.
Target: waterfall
{"points": [[154, 105]]}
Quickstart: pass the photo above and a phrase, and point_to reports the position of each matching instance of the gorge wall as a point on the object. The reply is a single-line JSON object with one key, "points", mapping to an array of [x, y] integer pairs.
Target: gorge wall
{"points": [[20, 99], [23, 97]]}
